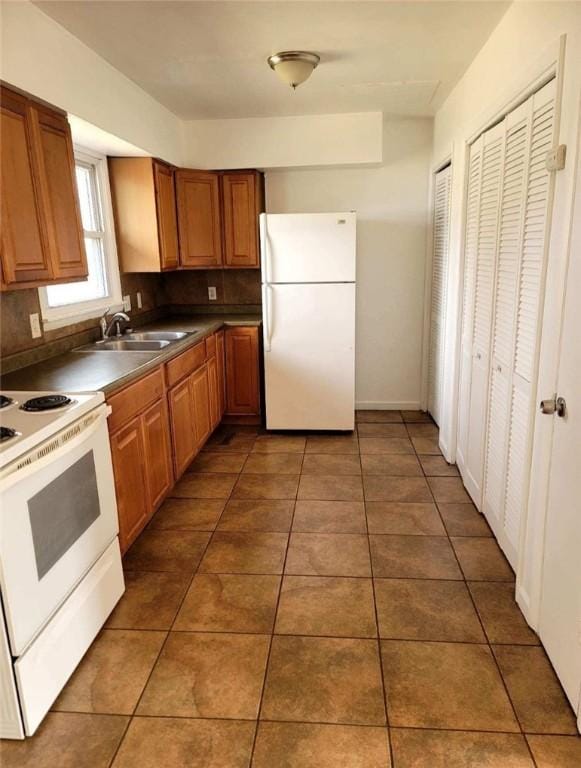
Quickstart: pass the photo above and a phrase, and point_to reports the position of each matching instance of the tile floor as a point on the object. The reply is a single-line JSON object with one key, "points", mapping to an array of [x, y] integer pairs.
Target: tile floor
{"points": [[313, 602]]}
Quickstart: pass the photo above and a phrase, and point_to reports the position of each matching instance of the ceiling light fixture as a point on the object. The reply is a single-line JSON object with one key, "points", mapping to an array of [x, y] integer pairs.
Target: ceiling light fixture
{"points": [[294, 67]]}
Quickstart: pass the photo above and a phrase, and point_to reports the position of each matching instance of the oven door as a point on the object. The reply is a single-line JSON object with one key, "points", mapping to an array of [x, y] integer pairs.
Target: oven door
{"points": [[58, 514]]}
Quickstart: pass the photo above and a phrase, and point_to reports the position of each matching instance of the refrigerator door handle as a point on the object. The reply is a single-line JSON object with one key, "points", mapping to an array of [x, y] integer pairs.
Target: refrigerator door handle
{"points": [[267, 305]]}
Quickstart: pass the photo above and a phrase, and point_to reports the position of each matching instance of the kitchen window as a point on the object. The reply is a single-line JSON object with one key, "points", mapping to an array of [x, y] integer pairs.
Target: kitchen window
{"points": [[72, 302]]}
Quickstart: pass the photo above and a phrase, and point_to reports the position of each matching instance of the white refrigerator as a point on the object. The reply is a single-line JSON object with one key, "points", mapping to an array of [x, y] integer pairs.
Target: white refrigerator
{"points": [[308, 305]]}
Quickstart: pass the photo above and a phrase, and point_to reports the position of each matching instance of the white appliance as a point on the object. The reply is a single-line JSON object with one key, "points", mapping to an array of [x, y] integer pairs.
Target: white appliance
{"points": [[60, 565], [308, 304]]}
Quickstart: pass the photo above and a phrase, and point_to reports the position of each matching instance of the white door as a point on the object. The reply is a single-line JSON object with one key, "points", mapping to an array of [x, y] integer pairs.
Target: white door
{"points": [[439, 290], [308, 247], [560, 616], [309, 357]]}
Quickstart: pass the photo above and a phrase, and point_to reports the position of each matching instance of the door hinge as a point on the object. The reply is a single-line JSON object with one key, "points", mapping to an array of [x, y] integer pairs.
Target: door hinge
{"points": [[555, 158]]}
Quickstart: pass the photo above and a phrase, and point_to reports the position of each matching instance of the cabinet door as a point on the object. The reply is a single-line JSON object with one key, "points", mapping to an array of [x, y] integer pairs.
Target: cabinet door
{"points": [[181, 409], [127, 451], [157, 453], [241, 194], [57, 171], [214, 394], [220, 363], [24, 248], [166, 215], [198, 199], [200, 394], [242, 379]]}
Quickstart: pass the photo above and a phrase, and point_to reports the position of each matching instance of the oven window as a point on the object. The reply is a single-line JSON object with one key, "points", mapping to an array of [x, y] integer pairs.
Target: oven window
{"points": [[62, 512]]}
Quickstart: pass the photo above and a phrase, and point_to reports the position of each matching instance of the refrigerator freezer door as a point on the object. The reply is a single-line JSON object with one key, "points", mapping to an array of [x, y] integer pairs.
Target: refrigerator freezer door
{"points": [[309, 354], [308, 247]]}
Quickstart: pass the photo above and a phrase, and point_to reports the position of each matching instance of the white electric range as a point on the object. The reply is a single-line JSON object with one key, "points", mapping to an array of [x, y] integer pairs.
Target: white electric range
{"points": [[60, 565]]}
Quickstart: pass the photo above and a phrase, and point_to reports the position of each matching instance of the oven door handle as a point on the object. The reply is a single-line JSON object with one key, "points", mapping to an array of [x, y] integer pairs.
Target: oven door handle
{"points": [[89, 425]]}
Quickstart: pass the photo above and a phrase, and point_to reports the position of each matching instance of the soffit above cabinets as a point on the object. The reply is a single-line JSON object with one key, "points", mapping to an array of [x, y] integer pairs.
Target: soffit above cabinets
{"points": [[207, 60]]}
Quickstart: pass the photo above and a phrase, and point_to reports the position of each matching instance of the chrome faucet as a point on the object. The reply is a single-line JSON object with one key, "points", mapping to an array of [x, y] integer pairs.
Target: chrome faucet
{"points": [[115, 321]]}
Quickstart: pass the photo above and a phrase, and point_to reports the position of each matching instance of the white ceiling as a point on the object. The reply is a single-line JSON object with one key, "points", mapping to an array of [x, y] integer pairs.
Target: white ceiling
{"points": [[208, 59]]}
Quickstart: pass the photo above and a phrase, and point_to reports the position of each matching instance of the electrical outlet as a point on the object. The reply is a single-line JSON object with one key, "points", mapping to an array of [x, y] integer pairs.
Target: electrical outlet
{"points": [[212, 293], [139, 302], [35, 326], [127, 303]]}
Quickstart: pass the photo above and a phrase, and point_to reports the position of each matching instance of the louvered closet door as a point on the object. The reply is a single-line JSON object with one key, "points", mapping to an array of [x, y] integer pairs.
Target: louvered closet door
{"points": [[488, 221], [518, 317], [439, 288]]}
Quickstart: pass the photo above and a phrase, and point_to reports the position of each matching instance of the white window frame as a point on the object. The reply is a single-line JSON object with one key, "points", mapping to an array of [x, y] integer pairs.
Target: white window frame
{"points": [[58, 317]]}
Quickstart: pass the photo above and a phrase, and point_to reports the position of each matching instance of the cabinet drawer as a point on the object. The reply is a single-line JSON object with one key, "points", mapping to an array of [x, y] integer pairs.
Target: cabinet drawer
{"points": [[135, 398], [181, 366], [211, 346]]}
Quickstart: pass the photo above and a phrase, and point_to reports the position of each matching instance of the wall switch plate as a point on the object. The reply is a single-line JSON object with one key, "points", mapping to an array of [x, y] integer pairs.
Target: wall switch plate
{"points": [[212, 293], [555, 159], [35, 326], [127, 303], [139, 302]]}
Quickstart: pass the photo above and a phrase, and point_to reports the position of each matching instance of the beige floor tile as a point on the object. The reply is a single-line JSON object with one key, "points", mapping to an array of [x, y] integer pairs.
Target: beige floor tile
{"points": [[274, 463], [67, 740], [274, 515], [113, 673], [188, 514], [207, 675], [228, 603], [329, 517], [448, 490], [328, 554], [416, 416], [331, 488], [418, 609], [463, 520], [414, 557], [331, 464], [390, 464], [502, 619], [153, 742], [413, 748], [230, 552], [556, 751], [437, 466], [426, 446], [166, 551], [266, 487], [481, 559], [151, 600], [205, 486], [378, 445], [389, 417], [416, 429], [279, 444], [411, 518], [333, 443], [324, 680], [538, 698], [336, 607], [385, 488], [306, 745], [381, 430], [445, 685], [221, 462]]}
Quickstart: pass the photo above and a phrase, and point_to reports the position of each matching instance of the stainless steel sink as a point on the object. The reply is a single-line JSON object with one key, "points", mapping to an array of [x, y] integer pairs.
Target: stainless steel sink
{"points": [[156, 336], [129, 345]]}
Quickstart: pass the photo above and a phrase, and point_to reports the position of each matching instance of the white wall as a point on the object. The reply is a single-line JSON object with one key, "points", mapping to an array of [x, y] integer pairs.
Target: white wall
{"points": [[284, 142], [391, 205], [41, 57]]}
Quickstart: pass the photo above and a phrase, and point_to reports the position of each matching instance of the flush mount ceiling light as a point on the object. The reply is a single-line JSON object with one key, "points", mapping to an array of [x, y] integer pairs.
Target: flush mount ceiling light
{"points": [[294, 67]]}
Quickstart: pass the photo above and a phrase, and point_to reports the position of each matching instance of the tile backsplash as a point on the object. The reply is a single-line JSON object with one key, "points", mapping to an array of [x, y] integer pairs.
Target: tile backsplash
{"points": [[233, 286]]}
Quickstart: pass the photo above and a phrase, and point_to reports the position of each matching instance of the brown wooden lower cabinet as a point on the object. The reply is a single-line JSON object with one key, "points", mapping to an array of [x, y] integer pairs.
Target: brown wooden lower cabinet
{"points": [[200, 387], [157, 447], [181, 409], [221, 372], [214, 393], [242, 372]]}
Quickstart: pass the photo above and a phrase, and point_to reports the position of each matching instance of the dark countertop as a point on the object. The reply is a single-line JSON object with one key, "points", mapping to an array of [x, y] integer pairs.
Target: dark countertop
{"points": [[109, 371]]}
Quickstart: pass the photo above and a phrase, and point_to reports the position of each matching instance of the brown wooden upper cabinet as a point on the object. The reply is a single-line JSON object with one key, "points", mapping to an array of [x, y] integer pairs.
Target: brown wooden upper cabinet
{"points": [[42, 237], [242, 202], [144, 208], [198, 196]]}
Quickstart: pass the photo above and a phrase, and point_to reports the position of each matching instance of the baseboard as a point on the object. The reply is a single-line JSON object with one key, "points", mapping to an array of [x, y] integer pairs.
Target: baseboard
{"points": [[402, 405]]}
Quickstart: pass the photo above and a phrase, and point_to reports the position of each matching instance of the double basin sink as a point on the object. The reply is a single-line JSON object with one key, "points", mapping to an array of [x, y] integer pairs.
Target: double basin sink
{"points": [[146, 341]]}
